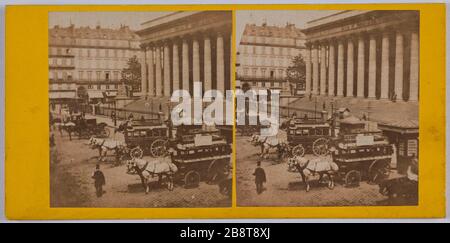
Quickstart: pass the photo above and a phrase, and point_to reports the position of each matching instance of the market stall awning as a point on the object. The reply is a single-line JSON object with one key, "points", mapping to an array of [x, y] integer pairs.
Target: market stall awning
{"points": [[62, 95], [95, 94]]}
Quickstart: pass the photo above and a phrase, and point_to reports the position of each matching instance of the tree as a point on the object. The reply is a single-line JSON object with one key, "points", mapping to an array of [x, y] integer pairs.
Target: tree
{"points": [[296, 72], [131, 74], [82, 93]]}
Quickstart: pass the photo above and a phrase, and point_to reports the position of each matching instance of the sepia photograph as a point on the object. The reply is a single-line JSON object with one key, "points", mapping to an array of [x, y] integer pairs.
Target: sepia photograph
{"points": [[348, 85], [113, 77]]}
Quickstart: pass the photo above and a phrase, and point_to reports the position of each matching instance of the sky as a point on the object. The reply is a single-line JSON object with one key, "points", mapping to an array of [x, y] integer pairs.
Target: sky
{"points": [[104, 19], [134, 19], [277, 17]]}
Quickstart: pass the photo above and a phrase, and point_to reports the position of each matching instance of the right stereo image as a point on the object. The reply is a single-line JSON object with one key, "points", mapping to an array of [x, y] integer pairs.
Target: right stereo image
{"points": [[330, 111]]}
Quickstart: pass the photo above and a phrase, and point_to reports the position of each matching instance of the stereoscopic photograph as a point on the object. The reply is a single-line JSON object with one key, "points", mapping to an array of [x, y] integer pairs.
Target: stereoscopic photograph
{"points": [[116, 139], [348, 92]]}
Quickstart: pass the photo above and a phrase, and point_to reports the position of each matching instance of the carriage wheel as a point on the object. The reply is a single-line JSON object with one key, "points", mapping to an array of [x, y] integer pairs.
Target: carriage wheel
{"points": [[298, 150], [320, 147], [216, 171], [378, 171], [136, 153], [191, 179], [158, 148], [352, 178]]}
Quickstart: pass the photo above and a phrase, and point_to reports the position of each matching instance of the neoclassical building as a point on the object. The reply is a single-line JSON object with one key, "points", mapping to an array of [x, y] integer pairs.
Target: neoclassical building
{"points": [[370, 54], [87, 57], [181, 48], [265, 52]]}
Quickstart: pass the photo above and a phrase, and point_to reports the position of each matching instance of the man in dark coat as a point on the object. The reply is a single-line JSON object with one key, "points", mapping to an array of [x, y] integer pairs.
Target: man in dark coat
{"points": [[99, 180], [260, 177]]}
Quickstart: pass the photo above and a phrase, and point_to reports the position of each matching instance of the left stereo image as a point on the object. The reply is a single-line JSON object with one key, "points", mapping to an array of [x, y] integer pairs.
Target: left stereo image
{"points": [[135, 104]]}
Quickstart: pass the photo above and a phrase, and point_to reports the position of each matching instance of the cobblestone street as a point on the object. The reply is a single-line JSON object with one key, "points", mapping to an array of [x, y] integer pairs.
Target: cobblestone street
{"points": [[72, 165], [285, 188]]}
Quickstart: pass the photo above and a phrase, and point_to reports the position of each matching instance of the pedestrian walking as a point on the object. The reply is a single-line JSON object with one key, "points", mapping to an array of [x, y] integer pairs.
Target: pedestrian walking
{"points": [[260, 177], [99, 180]]}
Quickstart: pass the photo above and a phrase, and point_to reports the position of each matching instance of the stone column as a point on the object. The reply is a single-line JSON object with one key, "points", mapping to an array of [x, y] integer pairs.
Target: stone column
{"points": [[372, 66], [331, 69], [323, 69], [220, 64], [384, 66], [144, 71], [340, 69], [175, 66], [231, 63], [361, 67], [350, 67], [195, 60], [167, 81], [414, 67], [308, 68], [158, 78], [151, 73], [315, 73], [399, 66], [207, 81], [185, 65]]}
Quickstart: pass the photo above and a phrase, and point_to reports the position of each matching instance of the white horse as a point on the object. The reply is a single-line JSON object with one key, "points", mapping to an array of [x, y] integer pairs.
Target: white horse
{"points": [[148, 169], [308, 168], [105, 145]]}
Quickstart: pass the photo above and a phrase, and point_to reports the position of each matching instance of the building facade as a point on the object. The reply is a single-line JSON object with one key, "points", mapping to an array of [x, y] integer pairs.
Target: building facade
{"points": [[92, 58], [365, 54], [186, 47], [265, 52]]}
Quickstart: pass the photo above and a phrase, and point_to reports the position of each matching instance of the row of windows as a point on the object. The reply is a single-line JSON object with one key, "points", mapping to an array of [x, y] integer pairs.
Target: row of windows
{"points": [[72, 86], [310, 132], [86, 75], [147, 133], [93, 52], [95, 42], [61, 62], [99, 75], [103, 87], [63, 75], [269, 40], [200, 152], [63, 86], [266, 61], [267, 84], [268, 50], [264, 72]]}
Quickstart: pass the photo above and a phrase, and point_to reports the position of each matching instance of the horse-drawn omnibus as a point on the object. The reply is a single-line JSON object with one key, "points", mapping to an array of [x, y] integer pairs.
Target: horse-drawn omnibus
{"points": [[149, 136], [82, 127], [307, 134], [200, 156], [361, 152]]}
